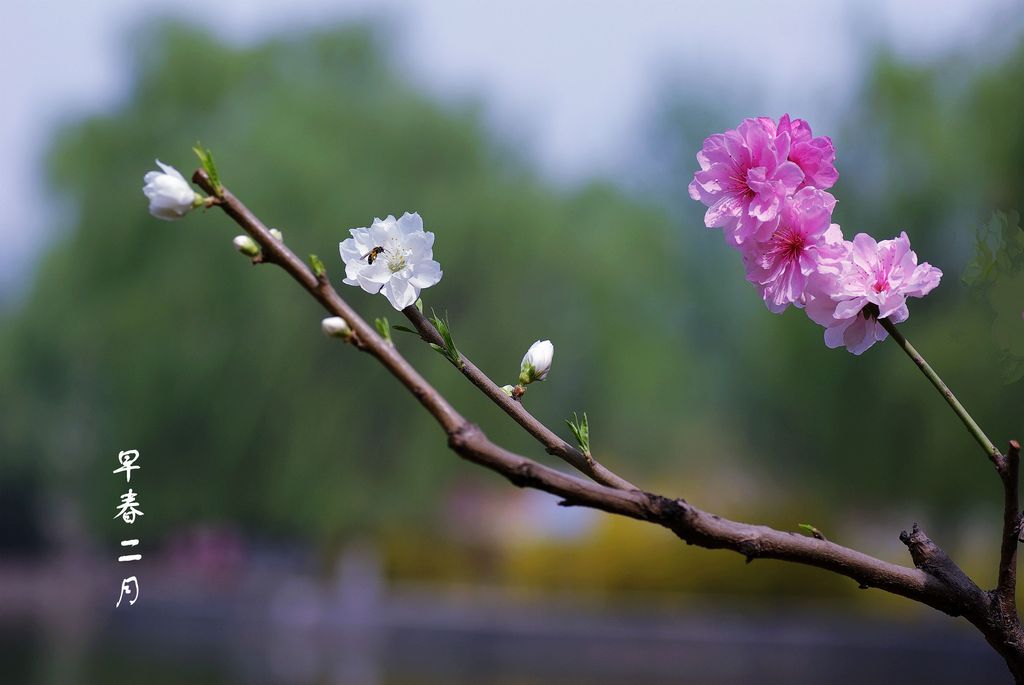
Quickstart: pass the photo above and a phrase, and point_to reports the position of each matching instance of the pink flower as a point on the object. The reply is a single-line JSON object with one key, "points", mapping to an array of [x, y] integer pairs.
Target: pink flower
{"points": [[871, 281], [780, 266], [744, 179], [816, 157]]}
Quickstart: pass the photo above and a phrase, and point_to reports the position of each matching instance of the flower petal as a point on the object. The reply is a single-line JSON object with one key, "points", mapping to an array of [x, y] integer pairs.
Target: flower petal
{"points": [[400, 293], [425, 274]]}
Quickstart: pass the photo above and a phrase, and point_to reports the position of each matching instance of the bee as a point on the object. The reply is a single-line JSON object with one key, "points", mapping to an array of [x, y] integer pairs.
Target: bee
{"points": [[372, 255]]}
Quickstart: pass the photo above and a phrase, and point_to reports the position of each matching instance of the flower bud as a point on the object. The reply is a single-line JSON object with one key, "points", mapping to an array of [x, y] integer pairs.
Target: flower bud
{"points": [[170, 195], [507, 389], [246, 245], [277, 235], [335, 327], [537, 362]]}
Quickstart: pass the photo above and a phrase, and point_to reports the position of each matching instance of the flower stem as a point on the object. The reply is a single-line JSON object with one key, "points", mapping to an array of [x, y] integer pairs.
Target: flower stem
{"points": [[961, 411]]}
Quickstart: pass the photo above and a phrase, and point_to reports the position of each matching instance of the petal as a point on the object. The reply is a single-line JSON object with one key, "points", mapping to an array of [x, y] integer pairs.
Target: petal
{"points": [[900, 315], [372, 276], [789, 174], [765, 206], [859, 335], [850, 308], [410, 223], [865, 252], [724, 212], [820, 309], [693, 189], [350, 251], [400, 293], [890, 302], [834, 335], [425, 274], [922, 280], [382, 229], [419, 246], [171, 171]]}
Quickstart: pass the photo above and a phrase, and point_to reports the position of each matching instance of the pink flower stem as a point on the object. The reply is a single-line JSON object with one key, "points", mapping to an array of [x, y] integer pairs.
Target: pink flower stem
{"points": [[990, 449]]}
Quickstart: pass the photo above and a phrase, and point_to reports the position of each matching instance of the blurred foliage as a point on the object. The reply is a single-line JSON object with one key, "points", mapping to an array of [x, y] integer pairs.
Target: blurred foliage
{"points": [[155, 336], [996, 275]]}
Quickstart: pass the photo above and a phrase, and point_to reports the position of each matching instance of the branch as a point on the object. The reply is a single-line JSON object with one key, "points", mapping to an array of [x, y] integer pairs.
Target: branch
{"points": [[697, 527], [1008, 468], [364, 336], [936, 582], [930, 558], [553, 444]]}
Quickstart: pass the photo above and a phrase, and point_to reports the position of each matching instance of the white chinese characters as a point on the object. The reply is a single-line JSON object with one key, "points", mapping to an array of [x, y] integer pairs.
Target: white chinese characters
{"points": [[128, 510]]}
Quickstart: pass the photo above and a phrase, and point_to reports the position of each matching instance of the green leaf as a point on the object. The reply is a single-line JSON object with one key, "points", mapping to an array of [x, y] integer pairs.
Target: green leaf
{"points": [[581, 430], [384, 328], [206, 159], [449, 350], [814, 532], [318, 266], [405, 329]]}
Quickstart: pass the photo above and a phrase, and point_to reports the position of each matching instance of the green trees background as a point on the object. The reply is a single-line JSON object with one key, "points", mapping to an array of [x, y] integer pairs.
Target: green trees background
{"points": [[143, 334]]}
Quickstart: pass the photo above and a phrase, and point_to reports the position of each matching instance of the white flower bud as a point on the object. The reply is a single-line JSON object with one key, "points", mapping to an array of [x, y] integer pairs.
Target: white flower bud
{"points": [[335, 327], [277, 235], [537, 362], [246, 245], [170, 195]]}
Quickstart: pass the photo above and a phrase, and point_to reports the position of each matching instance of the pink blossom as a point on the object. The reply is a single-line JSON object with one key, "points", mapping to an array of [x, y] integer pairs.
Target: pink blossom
{"points": [[779, 266], [744, 179], [816, 157], [871, 281]]}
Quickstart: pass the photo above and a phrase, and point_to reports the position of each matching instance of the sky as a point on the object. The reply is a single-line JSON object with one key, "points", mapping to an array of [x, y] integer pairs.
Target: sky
{"points": [[572, 80]]}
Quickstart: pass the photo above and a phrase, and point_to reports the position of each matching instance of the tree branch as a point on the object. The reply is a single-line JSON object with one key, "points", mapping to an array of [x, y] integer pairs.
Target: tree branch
{"points": [[553, 444], [1008, 468], [937, 581]]}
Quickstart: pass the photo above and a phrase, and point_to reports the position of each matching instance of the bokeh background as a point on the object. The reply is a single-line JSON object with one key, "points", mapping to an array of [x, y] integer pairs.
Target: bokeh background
{"points": [[304, 522]]}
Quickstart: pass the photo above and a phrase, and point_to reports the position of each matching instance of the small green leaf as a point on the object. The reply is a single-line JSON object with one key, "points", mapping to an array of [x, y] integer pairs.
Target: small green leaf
{"points": [[404, 329], [449, 350], [318, 266], [814, 532], [206, 159], [581, 430], [384, 328], [419, 305]]}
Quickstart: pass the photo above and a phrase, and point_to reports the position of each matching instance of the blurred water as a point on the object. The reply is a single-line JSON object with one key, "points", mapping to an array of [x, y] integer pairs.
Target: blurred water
{"points": [[422, 637]]}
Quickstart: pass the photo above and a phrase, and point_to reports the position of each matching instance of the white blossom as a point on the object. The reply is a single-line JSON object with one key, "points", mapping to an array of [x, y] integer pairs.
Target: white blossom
{"points": [[170, 195], [335, 327], [393, 257], [246, 245], [537, 362]]}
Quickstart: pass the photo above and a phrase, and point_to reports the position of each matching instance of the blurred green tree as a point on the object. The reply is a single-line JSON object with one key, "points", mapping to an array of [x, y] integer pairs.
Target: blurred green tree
{"points": [[147, 335], [150, 335]]}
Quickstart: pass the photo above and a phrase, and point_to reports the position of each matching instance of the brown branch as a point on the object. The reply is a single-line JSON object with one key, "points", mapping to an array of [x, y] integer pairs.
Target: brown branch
{"points": [[553, 444], [1008, 468], [937, 581]]}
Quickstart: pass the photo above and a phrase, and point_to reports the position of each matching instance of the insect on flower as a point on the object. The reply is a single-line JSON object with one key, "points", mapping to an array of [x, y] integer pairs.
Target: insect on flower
{"points": [[392, 256], [371, 256]]}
